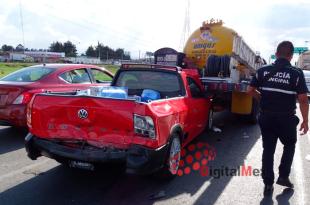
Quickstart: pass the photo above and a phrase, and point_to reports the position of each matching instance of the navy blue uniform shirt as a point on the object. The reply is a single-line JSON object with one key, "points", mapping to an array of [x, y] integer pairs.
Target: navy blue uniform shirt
{"points": [[278, 94]]}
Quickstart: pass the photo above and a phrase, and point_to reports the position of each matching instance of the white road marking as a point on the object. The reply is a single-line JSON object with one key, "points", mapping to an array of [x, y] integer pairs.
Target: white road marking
{"points": [[23, 169], [202, 190], [299, 175]]}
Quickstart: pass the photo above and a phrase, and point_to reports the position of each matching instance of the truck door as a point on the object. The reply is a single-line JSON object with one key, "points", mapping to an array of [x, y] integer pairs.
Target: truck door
{"points": [[198, 107]]}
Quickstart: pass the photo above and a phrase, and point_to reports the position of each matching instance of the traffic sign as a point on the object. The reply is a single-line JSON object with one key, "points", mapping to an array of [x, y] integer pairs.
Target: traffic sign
{"points": [[300, 49]]}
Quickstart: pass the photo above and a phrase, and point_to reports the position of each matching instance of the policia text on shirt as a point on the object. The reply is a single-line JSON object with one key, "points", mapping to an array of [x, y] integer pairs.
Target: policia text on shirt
{"points": [[276, 86]]}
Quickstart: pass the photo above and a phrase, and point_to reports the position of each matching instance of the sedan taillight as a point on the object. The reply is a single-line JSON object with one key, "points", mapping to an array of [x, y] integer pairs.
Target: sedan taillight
{"points": [[23, 99], [29, 113]]}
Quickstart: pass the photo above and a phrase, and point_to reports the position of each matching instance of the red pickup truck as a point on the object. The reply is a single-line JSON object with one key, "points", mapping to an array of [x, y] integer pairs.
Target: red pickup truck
{"points": [[145, 133]]}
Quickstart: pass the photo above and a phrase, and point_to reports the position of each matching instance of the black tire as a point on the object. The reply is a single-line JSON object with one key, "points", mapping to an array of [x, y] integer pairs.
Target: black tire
{"points": [[210, 120], [216, 65], [165, 172]]}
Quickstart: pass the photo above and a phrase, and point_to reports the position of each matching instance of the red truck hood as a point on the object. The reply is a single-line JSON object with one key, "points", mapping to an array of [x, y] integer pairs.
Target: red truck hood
{"points": [[106, 121]]}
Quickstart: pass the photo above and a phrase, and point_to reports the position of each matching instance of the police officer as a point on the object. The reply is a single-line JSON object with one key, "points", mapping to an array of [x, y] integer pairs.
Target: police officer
{"points": [[277, 86]]}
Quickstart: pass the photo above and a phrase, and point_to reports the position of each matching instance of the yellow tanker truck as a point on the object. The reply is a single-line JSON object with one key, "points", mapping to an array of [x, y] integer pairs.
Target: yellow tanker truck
{"points": [[227, 64]]}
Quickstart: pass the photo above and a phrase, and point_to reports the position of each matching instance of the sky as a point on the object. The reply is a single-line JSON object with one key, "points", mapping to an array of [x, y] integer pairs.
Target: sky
{"points": [[147, 25]]}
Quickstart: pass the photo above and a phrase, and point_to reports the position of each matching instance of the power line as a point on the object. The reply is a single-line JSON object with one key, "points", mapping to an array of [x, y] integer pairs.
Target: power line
{"points": [[186, 28], [22, 23]]}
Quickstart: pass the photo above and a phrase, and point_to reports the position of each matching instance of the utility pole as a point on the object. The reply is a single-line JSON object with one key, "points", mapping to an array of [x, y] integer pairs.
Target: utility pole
{"points": [[98, 50], [306, 43]]}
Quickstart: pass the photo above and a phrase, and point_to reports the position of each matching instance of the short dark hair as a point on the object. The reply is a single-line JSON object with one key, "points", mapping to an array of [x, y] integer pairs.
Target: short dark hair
{"points": [[285, 49]]}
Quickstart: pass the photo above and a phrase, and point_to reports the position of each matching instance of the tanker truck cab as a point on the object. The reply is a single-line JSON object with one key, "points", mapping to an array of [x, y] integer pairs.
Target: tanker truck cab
{"points": [[162, 110]]}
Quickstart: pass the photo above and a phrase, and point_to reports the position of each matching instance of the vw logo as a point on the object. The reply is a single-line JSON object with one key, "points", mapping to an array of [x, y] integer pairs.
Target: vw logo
{"points": [[83, 114]]}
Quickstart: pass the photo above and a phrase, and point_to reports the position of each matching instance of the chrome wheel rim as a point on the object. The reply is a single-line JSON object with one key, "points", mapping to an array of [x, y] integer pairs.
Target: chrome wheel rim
{"points": [[175, 155]]}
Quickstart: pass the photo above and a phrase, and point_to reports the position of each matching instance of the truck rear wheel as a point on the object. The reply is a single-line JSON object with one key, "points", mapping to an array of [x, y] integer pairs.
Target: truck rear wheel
{"points": [[218, 66], [172, 162], [210, 120]]}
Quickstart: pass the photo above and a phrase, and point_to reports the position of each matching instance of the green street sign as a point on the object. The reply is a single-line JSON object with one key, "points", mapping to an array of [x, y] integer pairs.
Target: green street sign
{"points": [[300, 49], [273, 57]]}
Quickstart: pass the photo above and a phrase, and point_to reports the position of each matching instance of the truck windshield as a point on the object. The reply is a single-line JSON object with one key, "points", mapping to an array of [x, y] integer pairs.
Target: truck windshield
{"points": [[29, 74], [168, 84]]}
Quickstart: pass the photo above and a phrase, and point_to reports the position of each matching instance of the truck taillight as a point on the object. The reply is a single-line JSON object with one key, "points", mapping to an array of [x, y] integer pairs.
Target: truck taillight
{"points": [[23, 99], [144, 125]]}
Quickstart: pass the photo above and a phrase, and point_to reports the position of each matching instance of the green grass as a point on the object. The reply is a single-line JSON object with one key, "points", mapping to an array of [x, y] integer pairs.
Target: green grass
{"points": [[111, 68], [7, 68]]}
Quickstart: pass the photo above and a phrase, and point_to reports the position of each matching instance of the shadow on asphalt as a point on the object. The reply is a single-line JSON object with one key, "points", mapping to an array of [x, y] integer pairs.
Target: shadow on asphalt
{"points": [[232, 146], [11, 139], [110, 186], [282, 199]]}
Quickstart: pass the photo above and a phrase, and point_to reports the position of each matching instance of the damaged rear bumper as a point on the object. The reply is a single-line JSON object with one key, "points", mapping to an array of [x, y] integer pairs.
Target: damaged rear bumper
{"points": [[138, 159]]}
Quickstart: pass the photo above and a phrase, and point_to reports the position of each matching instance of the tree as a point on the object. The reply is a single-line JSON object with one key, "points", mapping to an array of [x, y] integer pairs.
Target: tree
{"points": [[91, 52], [106, 53], [57, 47], [126, 55], [19, 48], [70, 49], [119, 53], [7, 48]]}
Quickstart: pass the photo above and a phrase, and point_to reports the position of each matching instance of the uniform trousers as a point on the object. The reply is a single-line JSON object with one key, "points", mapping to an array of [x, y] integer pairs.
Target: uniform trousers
{"points": [[276, 126]]}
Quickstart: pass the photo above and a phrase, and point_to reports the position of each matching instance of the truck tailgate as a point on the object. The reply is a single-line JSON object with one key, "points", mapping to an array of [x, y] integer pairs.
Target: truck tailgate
{"points": [[98, 121]]}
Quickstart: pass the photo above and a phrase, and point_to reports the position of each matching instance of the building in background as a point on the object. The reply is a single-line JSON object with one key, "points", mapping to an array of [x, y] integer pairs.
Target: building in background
{"points": [[20, 57], [303, 61], [82, 60], [32, 56], [45, 56]]}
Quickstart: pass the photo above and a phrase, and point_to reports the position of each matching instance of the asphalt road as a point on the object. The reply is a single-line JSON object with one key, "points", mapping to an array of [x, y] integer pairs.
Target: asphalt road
{"points": [[44, 181]]}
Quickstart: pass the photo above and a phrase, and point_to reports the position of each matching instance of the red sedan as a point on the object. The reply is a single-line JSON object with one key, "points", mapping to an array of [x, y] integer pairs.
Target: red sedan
{"points": [[17, 88]]}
